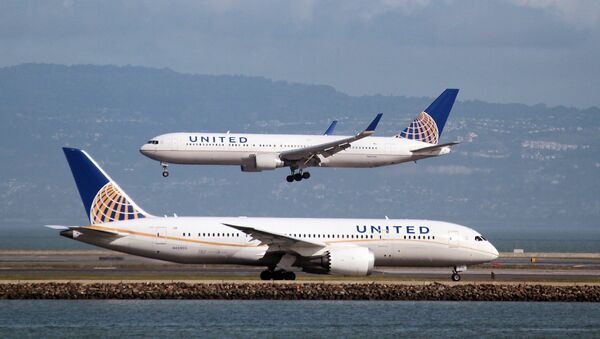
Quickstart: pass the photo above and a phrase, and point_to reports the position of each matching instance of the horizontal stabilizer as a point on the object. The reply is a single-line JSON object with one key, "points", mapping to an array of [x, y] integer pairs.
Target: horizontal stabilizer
{"points": [[101, 229], [59, 227], [433, 148], [75, 232]]}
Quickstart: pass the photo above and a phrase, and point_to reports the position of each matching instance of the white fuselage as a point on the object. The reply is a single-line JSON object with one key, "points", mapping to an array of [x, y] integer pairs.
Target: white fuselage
{"points": [[233, 149], [206, 240]]}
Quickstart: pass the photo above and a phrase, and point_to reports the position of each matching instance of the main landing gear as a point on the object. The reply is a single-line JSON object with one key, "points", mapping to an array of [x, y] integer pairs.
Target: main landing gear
{"points": [[277, 275], [297, 176], [165, 172]]}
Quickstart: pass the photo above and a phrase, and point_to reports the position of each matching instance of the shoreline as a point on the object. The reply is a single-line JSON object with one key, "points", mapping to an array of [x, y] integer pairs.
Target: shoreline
{"points": [[300, 291]]}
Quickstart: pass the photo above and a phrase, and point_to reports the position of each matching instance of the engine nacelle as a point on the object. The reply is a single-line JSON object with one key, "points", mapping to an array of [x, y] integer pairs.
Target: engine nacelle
{"points": [[261, 162], [357, 261]]}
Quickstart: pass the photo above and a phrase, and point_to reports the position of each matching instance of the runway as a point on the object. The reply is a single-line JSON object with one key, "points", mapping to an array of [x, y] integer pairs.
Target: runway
{"points": [[100, 265]]}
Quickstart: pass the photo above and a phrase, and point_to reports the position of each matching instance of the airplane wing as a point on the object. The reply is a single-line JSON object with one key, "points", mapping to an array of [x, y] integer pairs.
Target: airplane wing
{"points": [[331, 127], [274, 239], [330, 148], [430, 149]]}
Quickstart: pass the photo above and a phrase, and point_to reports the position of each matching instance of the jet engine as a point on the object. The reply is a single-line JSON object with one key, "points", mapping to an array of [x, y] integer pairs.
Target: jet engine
{"points": [[357, 261], [261, 162]]}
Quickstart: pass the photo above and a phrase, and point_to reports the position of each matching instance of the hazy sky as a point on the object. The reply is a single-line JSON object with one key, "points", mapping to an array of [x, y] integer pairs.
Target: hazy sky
{"points": [[529, 51]]}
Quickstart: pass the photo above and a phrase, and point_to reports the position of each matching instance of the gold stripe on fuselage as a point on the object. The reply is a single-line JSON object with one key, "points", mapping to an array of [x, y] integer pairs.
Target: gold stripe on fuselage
{"points": [[98, 227]]}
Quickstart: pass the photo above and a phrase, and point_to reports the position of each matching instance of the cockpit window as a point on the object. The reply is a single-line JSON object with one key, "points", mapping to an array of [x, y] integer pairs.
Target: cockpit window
{"points": [[478, 238], [153, 142]]}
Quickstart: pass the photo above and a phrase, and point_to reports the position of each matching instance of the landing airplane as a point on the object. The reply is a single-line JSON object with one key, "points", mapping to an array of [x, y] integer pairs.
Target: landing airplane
{"points": [[261, 152], [282, 245]]}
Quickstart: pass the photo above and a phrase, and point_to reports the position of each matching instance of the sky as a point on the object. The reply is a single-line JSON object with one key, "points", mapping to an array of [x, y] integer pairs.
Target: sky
{"points": [[525, 51]]}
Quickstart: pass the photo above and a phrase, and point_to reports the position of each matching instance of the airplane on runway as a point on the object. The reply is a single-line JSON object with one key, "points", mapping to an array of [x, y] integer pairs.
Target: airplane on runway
{"points": [[282, 245], [261, 152]]}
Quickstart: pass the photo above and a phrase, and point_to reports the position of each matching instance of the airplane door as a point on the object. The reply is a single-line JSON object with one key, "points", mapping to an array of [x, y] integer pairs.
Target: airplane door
{"points": [[453, 239], [389, 148], [161, 236], [176, 143]]}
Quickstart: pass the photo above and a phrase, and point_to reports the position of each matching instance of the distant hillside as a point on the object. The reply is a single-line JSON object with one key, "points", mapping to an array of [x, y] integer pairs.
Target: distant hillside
{"points": [[518, 167]]}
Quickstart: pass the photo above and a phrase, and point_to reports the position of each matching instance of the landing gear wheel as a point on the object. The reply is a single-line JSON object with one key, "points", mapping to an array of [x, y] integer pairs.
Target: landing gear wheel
{"points": [[279, 275], [298, 176], [266, 275], [305, 175], [455, 277], [289, 276], [289, 178], [165, 172]]}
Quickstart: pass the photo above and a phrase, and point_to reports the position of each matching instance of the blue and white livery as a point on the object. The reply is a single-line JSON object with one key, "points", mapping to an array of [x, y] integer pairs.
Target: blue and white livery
{"points": [[261, 152], [282, 245]]}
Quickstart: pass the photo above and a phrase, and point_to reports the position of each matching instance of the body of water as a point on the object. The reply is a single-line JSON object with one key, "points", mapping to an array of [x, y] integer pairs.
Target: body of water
{"points": [[295, 319]]}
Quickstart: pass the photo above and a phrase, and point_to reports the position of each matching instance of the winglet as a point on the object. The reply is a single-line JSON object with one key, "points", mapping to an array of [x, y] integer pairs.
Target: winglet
{"points": [[331, 127], [374, 123]]}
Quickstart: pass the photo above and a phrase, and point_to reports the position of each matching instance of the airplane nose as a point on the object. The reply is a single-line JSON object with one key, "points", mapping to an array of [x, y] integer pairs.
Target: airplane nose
{"points": [[144, 149], [494, 252]]}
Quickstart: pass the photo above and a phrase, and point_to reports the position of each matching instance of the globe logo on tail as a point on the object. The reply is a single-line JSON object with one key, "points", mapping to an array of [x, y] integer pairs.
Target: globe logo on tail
{"points": [[423, 128], [111, 205]]}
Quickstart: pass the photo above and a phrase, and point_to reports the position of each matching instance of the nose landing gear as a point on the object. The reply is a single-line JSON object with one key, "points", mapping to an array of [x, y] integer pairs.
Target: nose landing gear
{"points": [[455, 272], [165, 172]]}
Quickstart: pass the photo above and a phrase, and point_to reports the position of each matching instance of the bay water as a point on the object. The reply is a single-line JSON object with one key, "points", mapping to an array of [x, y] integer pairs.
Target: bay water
{"points": [[295, 319]]}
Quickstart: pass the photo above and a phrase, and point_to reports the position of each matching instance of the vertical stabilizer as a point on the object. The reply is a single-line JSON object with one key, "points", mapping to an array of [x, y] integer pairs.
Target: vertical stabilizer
{"points": [[103, 199], [428, 125]]}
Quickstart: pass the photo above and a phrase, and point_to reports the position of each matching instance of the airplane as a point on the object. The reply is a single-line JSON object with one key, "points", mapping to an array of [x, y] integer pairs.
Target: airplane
{"points": [[262, 152], [352, 247]]}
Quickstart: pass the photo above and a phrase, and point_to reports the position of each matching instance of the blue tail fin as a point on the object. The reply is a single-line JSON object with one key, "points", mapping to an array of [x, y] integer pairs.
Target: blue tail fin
{"points": [[103, 199], [428, 125], [331, 127]]}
